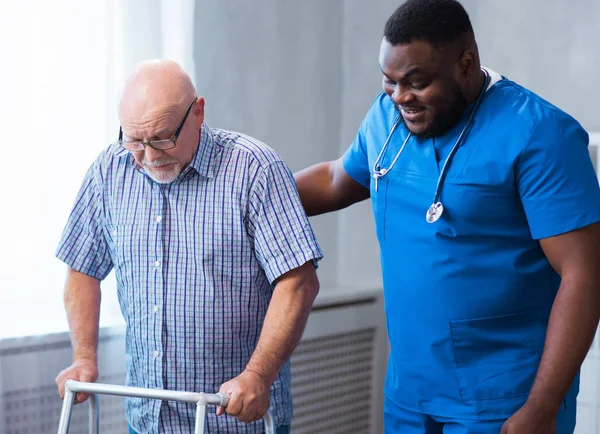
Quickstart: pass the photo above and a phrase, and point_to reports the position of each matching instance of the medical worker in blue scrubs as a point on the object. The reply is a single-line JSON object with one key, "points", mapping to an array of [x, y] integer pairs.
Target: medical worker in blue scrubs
{"points": [[486, 208]]}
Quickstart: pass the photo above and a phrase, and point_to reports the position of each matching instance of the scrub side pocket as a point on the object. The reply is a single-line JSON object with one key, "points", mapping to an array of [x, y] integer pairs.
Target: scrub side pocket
{"points": [[497, 357]]}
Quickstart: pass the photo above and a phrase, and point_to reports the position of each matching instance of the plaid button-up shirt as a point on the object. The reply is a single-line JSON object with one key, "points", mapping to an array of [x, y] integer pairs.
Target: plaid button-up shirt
{"points": [[195, 262]]}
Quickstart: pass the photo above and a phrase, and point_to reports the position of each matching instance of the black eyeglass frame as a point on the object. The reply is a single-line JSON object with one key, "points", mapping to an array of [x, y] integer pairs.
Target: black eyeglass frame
{"points": [[154, 143]]}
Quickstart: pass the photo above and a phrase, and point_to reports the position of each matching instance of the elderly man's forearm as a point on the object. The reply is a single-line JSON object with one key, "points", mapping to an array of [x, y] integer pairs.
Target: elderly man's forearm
{"points": [[82, 303], [285, 321]]}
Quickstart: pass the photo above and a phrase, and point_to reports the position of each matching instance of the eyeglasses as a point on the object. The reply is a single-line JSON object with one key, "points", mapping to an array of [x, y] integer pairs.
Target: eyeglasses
{"points": [[159, 145]]}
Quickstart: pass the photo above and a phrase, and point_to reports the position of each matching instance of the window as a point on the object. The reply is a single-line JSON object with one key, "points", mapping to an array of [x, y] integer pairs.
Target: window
{"points": [[63, 63]]}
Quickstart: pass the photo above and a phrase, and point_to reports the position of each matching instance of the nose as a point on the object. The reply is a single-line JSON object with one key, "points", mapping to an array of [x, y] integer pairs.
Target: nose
{"points": [[402, 96], [151, 154]]}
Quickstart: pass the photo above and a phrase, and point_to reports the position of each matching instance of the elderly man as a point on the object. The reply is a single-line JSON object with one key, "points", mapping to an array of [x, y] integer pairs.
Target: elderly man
{"points": [[214, 258]]}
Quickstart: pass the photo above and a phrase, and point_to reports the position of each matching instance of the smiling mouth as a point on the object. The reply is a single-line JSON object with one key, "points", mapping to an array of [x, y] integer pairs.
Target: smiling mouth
{"points": [[412, 114], [412, 110]]}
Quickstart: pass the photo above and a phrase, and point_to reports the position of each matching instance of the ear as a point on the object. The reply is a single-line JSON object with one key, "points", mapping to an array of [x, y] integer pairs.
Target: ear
{"points": [[467, 65], [198, 112]]}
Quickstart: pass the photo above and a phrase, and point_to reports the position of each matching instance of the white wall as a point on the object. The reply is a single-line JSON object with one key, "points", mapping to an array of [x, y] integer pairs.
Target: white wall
{"points": [[298, 76], [271, 70], [549, 46]]}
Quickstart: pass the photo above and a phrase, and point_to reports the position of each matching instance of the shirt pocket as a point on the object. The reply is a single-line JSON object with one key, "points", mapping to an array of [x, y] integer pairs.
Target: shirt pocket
{"points": [[497, 357]]}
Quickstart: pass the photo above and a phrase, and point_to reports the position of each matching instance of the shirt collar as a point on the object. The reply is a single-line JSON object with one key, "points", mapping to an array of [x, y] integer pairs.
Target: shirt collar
{"points": [[203, 161], [118, 150], [203, 158]]}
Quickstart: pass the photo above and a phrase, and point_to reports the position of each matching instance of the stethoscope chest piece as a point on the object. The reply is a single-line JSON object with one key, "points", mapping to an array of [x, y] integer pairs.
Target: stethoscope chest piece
{"points": [[434, 212]]}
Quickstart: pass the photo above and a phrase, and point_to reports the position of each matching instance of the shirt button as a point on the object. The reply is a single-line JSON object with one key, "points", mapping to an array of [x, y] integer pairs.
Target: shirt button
{"points": [[159, 218], [157, 264], [156, 354], [155, 308]]}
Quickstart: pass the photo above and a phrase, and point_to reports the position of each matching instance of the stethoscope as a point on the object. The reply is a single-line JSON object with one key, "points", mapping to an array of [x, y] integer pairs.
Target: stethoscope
{"points": [[434, 212]]}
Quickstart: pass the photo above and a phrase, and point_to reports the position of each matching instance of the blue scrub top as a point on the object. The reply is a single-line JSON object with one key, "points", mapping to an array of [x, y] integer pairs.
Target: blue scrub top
{"points": [[468, 298]]}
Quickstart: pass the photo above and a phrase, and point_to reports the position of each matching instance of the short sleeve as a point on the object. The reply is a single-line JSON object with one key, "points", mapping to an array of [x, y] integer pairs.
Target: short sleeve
{"points": [[355, 159], [556, 179], [83, 246], [283, 237]]}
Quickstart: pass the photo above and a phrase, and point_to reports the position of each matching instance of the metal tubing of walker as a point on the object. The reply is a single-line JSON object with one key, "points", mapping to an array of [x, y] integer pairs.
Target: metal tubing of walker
{"points": [[200, 418], [94, 414], [67, 407], [200, 399], [65, 414]]}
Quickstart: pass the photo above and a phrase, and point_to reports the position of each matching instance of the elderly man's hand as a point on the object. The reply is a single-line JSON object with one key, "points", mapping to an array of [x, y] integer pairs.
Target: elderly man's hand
{"points": [[250, 396], [82, 369]]}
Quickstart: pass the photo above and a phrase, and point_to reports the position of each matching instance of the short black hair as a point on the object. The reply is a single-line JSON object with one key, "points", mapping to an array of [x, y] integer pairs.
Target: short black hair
{"points": [[438, 22]]}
